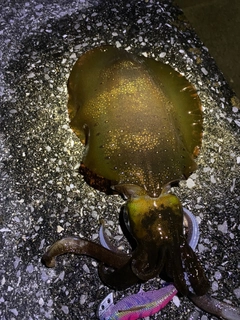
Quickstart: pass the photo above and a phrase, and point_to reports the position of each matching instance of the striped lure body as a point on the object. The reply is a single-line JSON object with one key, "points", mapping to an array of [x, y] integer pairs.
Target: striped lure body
{"points": [[136, 306]]}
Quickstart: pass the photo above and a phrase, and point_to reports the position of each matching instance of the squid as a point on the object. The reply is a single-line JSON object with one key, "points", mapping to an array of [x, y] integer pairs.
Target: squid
{"points": [[141, 124]]}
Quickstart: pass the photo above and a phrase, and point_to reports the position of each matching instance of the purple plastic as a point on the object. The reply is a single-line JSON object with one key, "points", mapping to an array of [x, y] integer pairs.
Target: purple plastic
{"points": [[136, 306]]}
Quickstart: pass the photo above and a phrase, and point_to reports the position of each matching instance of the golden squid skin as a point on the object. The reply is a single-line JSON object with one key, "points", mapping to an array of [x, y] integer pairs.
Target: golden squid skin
{"points": [[141, 124], [140, 120]]}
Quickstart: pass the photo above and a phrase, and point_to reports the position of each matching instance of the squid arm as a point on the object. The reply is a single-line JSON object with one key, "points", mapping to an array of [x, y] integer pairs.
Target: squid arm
{"points": [[134, 305], [84, 247]]}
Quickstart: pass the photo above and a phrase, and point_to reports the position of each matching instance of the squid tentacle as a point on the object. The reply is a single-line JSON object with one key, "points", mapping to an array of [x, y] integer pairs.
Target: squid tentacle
{"points": [[218, 308], [176, 267], [194, 271], [192, 240], [205, 302], [140, 268], [85, 247], [120, 279]]}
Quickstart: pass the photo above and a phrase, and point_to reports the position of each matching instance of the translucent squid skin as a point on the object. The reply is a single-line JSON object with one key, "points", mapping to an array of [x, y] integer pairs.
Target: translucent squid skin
{"points": [[141, 124]]}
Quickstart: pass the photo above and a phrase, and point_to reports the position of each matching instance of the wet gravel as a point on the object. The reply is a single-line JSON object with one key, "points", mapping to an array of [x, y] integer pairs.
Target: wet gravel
{"points": [[43, 198]]}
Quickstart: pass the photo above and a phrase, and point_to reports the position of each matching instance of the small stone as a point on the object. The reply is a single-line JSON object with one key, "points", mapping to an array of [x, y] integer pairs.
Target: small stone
{"points": [[73, 56], [16, 262], [30, 268], [31, 75], [237, 122], [50, 303], [39, 7], [231, 235], [217, 275], [237, 292], [65, 309], [94, 236], [214, 286], [176, 301], [12, 111], [61, 275], [213, 180], [223, 227], [83, 298], [204, 71], [201, 248], [86, 269], [41, 302], [44, 276], [14, 311], [42, 244], [190, 183], [59, 229]]}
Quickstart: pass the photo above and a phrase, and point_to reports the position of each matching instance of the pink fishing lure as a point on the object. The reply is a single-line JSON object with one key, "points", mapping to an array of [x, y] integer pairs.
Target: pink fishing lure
{"points": [[136, 306]]}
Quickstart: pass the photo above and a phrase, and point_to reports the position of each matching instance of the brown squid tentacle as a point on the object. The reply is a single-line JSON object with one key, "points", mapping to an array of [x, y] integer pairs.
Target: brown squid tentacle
{"points": [[186, 271], [141, 266], [218, 308], [118, 279], [194, 270], [85, 247], [175, 269]]}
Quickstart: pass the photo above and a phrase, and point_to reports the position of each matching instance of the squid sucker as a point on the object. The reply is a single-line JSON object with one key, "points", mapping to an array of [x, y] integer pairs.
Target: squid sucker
{"points": [[141, 124]]}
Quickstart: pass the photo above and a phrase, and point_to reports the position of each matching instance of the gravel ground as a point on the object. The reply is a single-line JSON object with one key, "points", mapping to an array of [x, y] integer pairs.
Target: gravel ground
{"points": [[43, 198]]}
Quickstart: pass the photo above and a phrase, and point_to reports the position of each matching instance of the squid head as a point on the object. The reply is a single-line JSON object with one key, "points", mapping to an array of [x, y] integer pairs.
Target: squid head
{"points": [[157, 227]]}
